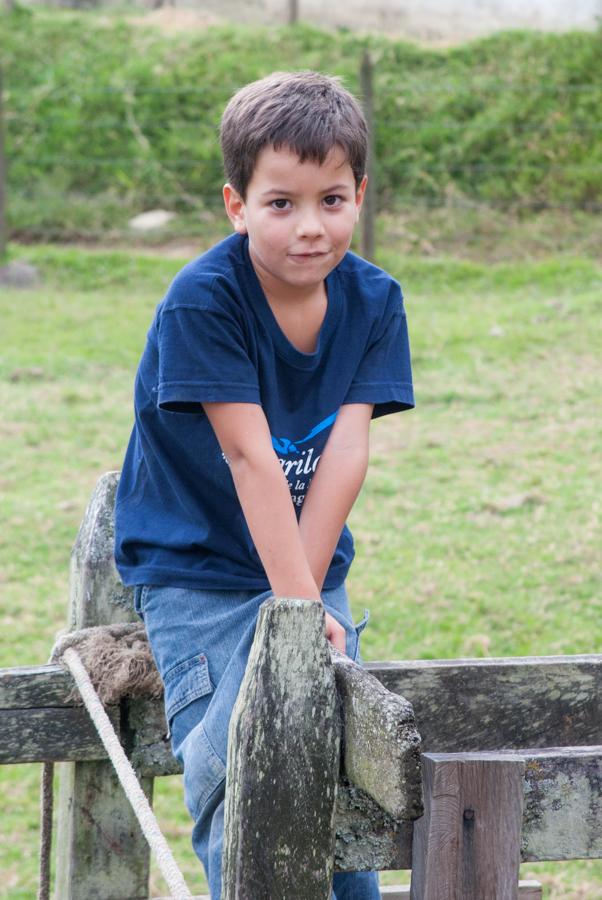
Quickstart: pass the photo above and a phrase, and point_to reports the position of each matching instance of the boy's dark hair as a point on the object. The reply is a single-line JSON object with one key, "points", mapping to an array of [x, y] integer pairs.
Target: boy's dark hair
{"points": [[307, 112]]}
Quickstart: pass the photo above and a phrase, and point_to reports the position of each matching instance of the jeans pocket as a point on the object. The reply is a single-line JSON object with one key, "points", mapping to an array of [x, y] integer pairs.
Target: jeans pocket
{"points": [[186, 682]]}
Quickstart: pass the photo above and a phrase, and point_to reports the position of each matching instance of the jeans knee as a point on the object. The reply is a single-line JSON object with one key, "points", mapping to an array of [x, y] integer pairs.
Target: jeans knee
{"points": [[204, 771]]}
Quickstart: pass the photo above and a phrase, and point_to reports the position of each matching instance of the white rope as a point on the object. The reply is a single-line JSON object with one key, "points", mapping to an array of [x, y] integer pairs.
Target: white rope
{"points": [[127, 777]]}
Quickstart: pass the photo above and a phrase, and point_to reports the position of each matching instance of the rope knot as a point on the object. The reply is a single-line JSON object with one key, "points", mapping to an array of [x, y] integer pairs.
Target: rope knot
{"points": [[117, 658]]}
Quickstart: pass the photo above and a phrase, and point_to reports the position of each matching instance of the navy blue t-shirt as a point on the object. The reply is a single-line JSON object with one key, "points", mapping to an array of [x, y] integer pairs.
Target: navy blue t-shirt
{"points": [[215, 338]]}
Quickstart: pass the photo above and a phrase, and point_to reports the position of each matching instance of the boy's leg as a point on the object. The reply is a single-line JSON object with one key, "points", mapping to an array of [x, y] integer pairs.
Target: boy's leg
{"points": [[356, 886], [201, 642]]}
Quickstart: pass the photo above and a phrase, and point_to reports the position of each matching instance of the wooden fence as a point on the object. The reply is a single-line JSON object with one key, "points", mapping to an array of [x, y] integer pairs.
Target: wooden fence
{"points": [[510, 766]]}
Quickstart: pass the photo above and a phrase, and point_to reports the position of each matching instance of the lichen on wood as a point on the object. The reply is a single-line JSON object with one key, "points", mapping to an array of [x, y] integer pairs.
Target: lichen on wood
{"points": [[283, 761]]}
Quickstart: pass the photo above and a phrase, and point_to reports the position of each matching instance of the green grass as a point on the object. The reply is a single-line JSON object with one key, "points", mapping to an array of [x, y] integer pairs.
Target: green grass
{"points": [[478, 530]]}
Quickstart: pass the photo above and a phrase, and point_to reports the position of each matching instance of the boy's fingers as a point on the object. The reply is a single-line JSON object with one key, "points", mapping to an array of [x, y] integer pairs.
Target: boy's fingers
{"points": [[335, 633]]}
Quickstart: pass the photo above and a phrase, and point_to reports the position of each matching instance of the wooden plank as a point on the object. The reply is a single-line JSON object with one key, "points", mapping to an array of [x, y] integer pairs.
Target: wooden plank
{"points": [[558, 823], [553, 701], [513, 702], [527, 890], [562, 809], [381, 752], [563, 804], [24, 687], [53, 735], [510, 703], [283, 761], [562, 813], [101, 851], [562, 817], [565, 684], [467, 844]]}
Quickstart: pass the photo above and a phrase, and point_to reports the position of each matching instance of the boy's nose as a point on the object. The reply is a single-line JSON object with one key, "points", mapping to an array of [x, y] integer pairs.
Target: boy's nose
{"points": [[310, 225]]}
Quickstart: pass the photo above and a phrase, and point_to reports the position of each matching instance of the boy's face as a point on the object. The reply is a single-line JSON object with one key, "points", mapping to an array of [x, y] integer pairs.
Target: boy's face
{"points": [[299, 218]]}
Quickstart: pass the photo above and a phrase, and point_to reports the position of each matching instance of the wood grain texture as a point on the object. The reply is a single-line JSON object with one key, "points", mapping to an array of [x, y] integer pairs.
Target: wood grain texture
{"points": [[52, 735], [563, 804], [553, 701], [563, 809], [35, 687], [101, 851], [509, 703], [96, 842], [97, 595], [527, 890], [467, 844], [283, 761], [381, 746]]}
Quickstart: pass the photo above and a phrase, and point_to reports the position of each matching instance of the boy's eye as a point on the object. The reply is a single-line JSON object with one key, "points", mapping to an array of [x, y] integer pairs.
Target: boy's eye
{"points": [[280, 203], [333, 200]]}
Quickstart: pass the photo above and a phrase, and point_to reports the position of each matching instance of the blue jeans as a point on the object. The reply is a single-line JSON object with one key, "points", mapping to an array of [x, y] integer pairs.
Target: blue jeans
{"points": [[201, 641]]}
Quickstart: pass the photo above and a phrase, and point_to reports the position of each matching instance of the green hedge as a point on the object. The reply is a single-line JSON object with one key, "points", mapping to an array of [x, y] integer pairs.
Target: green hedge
{"points": [[105, 118]]}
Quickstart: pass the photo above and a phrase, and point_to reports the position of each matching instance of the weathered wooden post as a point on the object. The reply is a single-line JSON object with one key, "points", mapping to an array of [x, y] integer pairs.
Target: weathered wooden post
{"points": [[369, 208], [101, 852], [283, 762], [289, 809], [3, 234], [468, 843]]}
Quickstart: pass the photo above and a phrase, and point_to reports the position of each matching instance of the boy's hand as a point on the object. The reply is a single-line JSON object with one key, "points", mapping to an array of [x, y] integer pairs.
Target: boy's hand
{"points": [[335, 633]]}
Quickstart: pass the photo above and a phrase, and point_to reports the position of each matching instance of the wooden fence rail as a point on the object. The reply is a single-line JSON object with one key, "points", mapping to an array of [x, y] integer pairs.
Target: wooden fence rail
{"points": [[560, 784], [511, 765]]}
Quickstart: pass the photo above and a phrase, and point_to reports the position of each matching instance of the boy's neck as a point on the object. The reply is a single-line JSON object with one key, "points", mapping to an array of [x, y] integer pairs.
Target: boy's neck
{"points": [[300, 315]]}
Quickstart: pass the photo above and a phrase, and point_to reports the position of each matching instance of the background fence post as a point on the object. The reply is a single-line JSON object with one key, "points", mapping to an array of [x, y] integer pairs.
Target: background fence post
{"points": [[293, 11], [3, 235], [369, 210], [101, 851]]}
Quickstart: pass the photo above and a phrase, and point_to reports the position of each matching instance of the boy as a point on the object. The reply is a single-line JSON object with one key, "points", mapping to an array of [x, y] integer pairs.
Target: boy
{"points": [[263, 367]]}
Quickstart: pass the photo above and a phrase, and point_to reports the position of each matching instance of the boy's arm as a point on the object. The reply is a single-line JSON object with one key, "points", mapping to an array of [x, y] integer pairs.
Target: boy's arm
{"points": [[335, 486], [244, 436]]}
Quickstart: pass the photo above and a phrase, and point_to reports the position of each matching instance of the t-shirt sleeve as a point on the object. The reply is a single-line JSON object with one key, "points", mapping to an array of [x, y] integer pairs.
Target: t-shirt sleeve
{"points": [[203, 357], [384, 375]]}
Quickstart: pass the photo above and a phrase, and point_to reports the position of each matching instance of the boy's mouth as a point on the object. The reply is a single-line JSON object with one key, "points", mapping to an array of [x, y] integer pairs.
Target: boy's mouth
{"points": [[313, 254]]}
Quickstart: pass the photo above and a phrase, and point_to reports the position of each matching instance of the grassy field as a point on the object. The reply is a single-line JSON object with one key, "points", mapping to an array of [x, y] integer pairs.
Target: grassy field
{"points": [[478, 531]]}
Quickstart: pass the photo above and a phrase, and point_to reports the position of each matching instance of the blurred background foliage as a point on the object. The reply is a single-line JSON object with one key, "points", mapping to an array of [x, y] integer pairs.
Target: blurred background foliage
{"points": [[105, 118]]}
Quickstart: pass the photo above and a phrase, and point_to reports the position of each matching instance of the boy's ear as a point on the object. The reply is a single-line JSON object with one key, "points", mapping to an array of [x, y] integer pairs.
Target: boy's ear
{"points": [[235, 208], [359, 196]]}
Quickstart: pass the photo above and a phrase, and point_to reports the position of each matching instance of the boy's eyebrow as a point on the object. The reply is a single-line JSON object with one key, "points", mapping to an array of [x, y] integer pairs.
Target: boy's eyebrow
{"points": [[281, 191]]}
